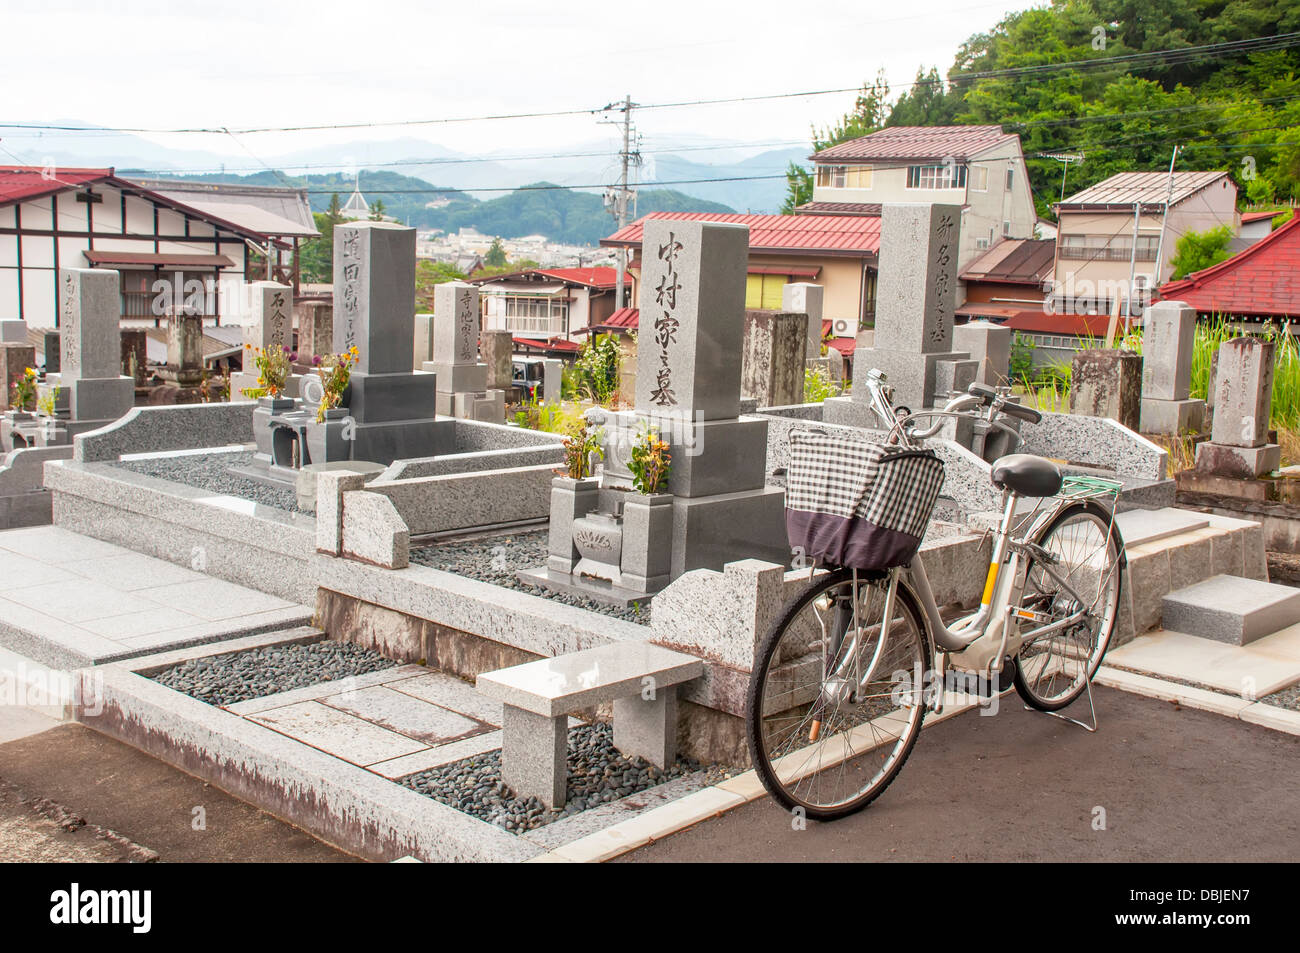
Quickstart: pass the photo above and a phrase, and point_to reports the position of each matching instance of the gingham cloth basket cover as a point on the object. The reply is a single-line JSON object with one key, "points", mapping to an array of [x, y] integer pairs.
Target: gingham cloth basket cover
{"points": [[850, 502]]}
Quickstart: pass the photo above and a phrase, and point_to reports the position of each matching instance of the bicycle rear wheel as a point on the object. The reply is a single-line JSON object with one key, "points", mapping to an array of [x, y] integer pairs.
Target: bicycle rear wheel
{"points": [[1083, 547], [828, 730]]}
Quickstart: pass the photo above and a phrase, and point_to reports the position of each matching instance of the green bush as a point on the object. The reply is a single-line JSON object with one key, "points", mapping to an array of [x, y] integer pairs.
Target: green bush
{"points": [[817, 385]]}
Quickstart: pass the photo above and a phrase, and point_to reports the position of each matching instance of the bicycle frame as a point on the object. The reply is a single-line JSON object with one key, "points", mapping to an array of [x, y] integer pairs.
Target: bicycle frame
{"points": [[981, 640]]}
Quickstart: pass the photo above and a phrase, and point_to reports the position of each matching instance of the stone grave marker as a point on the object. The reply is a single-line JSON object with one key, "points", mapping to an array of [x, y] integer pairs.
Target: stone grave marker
{"points": [[90, 355], [1107, 382], [916, 297], [807, 298], [497, 348], [1243, 402], [315, 331], [1168, 340], [462, 379], [989, 345], [270, 326], [774, 357]]}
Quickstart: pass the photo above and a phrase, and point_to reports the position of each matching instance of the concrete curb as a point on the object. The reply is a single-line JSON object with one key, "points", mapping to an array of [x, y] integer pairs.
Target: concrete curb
{"points": [[1232, 706]]}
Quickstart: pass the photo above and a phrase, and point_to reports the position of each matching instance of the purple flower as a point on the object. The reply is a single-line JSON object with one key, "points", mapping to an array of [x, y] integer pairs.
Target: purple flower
{"points": [[316, 360]]}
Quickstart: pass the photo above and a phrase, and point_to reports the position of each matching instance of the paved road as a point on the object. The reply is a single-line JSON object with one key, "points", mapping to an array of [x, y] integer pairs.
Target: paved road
{"points": [[1176, 784], [70, 793]]}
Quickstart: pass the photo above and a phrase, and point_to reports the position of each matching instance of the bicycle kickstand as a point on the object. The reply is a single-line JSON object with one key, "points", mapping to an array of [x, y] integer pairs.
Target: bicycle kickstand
{"points": [[1074, 721]]}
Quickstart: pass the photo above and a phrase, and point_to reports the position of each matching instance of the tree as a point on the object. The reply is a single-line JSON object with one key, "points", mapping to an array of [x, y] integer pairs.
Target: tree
{"points": [[377, 211], [429, 274], [1199, 250], [316, 256], [496, 256], [798, 187]]}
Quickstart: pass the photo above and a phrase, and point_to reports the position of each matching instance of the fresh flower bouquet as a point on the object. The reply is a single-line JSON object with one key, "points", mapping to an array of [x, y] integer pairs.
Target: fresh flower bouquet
{"points": [[273, 367], [335, 371], [651, 462], [25, 390]]}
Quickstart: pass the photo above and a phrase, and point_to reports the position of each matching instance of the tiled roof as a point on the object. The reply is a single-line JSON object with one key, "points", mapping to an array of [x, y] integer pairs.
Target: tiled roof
{"points": [[840, 235], [845, 346], [1149, 188], [1258, 281], [1248, 217], [600, 278], [919, 142], [838, 208], [1028, 261], [1037, 320], [19, 183], [629, 318]]}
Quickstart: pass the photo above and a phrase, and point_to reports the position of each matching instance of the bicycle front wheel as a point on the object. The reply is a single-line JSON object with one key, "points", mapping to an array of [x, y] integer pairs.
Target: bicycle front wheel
{"points": [[833, 712], [1082, 551]]}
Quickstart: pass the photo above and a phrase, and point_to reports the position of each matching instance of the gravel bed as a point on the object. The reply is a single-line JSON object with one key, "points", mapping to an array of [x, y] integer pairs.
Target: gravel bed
{"points": [[597, 774], [1285, 698], [256, 673], [210, 471], [496, 559]]}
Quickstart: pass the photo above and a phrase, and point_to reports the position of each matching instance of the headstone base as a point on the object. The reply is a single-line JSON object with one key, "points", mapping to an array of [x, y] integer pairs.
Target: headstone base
{"points": [[100, 398], [1243, 462], [488, 407], [913, 376], [953, 376], [403, 439], [710, 531], [459, 378], [1172, 416], [848, 412], [385, 398], [708, 457]]}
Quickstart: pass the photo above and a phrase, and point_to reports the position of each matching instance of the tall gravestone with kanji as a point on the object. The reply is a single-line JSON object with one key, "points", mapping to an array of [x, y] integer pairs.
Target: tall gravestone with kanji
{"points": [[271, 326], [916, 297], [462, 379], [391, 408], [715, 507], [1239, 443], [90, 365]]}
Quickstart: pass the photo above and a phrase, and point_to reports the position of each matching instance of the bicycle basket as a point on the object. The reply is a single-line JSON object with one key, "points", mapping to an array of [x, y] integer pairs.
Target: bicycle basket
{"points": [[858, 504]]}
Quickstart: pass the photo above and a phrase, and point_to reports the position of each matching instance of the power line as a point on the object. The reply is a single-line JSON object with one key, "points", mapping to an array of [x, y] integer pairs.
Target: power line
{"points": [[1134, 61]]}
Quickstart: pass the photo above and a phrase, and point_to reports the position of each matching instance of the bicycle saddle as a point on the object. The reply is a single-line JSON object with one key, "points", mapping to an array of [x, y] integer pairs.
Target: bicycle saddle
{"points": [[1027, 475]]}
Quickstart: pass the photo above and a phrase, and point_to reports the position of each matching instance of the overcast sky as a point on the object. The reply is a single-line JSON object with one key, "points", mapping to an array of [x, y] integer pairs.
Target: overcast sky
{"points": [[181, 64]]}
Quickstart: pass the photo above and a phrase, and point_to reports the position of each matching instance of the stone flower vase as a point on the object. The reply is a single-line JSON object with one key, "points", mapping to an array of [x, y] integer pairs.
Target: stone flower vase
{"points": [[647, 541], [570, 500], [267, 407], [330, 440]]}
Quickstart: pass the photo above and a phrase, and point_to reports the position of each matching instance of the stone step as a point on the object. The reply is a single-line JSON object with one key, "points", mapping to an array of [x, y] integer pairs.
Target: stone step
{"points": [[1231, 609], [1147, 526]]}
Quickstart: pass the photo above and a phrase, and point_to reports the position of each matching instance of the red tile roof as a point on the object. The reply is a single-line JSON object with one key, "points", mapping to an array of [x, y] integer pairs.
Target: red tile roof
{"points": [[1258, 281], [600, 278], [18, 183], [629, 318], [838, 208], [845, 346], [1080, 325], [1150, 188], [1248, 217], [836, 236], [920, 142], [551, 345]]}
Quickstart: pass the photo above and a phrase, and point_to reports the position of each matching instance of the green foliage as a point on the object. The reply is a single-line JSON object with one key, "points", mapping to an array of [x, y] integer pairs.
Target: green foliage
{"points": [[551, 418], [598, 365], [496, 256], [1022, 358], [817, 385], [798, 187], [377, 210], [1198, 250], [580, 447], [869, 113], [428, 275], [49, 402], [316, 257], [651, 462]]}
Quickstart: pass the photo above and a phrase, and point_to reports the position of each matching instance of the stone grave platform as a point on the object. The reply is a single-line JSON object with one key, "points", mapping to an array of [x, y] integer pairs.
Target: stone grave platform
{"points": [[1264, 666], [68, 600]]}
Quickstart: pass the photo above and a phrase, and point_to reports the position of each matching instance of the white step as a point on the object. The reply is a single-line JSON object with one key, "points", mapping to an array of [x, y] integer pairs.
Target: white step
{"points": [[1147, 526], [1231, 609]]}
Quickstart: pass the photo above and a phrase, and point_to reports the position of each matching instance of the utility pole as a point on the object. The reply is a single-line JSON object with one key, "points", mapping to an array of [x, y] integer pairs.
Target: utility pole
{"points": [[618, 201], [1169, 197], [1132, 267]]}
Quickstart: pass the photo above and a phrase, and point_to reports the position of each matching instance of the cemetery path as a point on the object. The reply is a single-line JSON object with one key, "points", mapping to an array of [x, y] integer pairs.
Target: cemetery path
{"points": [[1175, 784], [142, 800]]}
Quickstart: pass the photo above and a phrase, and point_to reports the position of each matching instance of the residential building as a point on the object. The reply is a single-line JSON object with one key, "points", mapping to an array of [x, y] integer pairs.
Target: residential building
{"points": [[1113, 227], [838, 252], [541, 305], [1008, 278], [980, 168], [92, 218], [1258, 284]]}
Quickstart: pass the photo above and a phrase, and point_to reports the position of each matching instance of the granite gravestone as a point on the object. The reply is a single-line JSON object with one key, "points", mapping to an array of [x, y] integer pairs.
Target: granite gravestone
{"points": [[1107, 382], [269, 327], [391, 409], [315, 331], [1243, 402], [498, 350], [462, 380], [715, 507], [989, 345], [806, 298], [90, 359], [1168, 340], [916, 297]]}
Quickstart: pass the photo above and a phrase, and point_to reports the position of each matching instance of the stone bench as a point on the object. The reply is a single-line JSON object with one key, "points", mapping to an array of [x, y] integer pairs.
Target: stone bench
{"points": [[640, 679]]}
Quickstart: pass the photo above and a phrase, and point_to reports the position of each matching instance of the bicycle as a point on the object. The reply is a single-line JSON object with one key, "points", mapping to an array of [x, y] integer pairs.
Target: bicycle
{"points": [[843, 681]]}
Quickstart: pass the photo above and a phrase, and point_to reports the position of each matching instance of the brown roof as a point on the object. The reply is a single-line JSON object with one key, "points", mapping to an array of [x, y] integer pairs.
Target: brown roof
{"points": [[839, 208], [160, 259], [1124, 189], [920, 142], [1027, 261]]}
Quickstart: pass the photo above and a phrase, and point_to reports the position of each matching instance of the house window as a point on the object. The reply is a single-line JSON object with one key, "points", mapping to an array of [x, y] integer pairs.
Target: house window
{"points": [[981, 244], [979, 178], [947, 176], [1146, 247], [1006, 228], [1011, 174], [844, 176]]}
